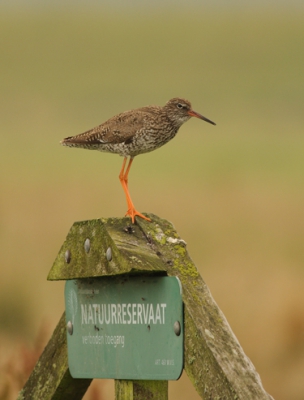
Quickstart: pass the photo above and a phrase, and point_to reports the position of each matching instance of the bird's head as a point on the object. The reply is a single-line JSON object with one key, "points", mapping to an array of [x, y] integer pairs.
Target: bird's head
{"points": [[180, 110]]}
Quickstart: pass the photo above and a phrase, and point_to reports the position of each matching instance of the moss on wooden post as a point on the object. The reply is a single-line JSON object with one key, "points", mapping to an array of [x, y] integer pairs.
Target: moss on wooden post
{"points": [[213, 358], [141, 390], [51, 378]]}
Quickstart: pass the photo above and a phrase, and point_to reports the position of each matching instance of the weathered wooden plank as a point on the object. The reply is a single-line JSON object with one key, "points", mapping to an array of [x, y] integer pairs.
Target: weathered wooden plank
{"points": [[130, 251], [141, 390], [214, 359], [51, 378]]}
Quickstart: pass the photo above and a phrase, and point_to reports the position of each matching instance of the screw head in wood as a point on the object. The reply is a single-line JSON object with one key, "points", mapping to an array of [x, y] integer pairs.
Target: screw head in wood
{"points": [[109, 254], [67, 256], [87, 245]]}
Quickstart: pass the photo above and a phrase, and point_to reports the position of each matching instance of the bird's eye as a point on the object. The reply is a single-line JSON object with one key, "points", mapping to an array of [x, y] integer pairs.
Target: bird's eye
{"points": [[179, 105]]}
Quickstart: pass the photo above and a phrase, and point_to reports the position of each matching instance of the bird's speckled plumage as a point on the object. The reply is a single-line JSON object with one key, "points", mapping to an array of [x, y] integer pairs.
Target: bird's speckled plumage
{"points": [[136, 132]]}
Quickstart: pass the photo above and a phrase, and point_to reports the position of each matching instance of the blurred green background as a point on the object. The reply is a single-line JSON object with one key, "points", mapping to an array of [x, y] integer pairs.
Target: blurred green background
{"points": [[234, 192]]}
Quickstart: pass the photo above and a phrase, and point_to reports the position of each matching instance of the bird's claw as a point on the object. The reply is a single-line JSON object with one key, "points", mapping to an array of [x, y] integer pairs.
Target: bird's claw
{"points": [[133, 213]]}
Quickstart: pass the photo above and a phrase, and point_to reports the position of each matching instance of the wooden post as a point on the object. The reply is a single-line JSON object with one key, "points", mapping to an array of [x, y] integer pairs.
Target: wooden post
{"points": [[213, 358], [141, 390], [51, 378]]}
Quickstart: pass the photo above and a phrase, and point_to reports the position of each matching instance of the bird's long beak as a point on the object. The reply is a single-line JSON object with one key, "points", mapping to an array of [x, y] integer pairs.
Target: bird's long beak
{"points": [[197, 115]]}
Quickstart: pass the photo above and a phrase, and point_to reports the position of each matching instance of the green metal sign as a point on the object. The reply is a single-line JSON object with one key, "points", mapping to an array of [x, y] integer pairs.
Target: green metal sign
{"points": [[125, 327]]}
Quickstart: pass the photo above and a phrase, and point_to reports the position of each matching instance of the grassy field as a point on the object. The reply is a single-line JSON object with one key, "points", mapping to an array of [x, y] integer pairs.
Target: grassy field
{"points": [[234, 192]]}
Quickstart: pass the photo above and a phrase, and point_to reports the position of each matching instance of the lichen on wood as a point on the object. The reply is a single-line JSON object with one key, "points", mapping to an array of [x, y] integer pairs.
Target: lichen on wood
{"points": [[51, 379], [213, 358], [141, 390]]}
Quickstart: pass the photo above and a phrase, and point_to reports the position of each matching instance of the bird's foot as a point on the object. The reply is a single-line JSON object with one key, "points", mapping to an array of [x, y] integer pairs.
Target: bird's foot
{"points": [[133, 213]]}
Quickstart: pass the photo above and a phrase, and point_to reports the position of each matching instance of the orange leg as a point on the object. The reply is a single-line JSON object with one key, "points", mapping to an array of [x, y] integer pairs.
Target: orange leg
{"points": [[123, 177]]}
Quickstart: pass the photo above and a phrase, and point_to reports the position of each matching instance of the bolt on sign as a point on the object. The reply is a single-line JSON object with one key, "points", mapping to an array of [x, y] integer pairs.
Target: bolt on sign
{"points": [[127, 327]]}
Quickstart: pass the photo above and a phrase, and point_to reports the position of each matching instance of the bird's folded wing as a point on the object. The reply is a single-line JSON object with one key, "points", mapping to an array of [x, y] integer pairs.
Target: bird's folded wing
{"points": [[118, 129]]}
